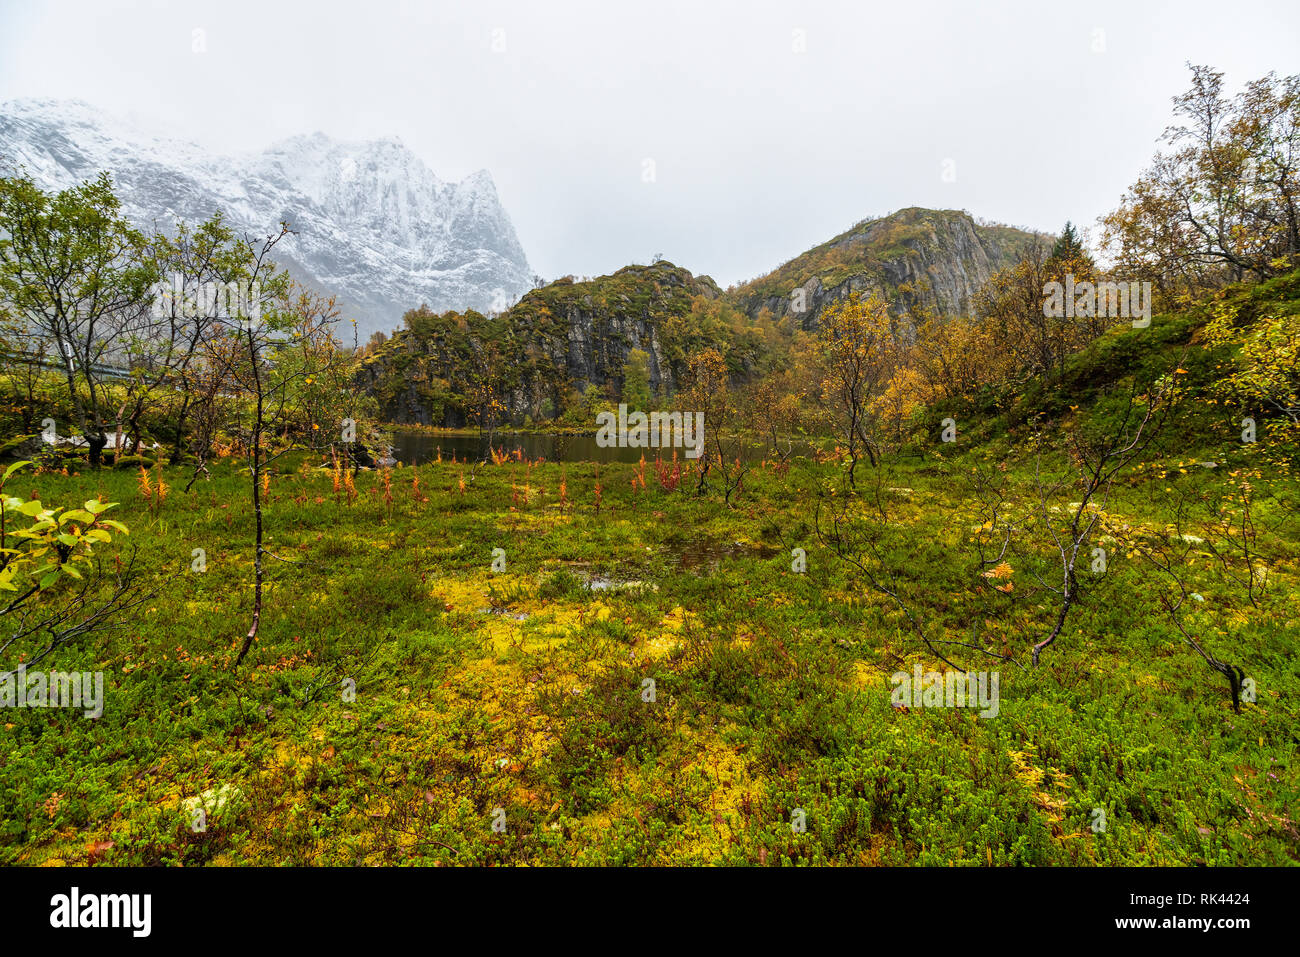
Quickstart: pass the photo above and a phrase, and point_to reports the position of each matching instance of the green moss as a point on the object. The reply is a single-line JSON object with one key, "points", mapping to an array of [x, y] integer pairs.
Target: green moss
{"points": [[130, 461], [9, 447]]}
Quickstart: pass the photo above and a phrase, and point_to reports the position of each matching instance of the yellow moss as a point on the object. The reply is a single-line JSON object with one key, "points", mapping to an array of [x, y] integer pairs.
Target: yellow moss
{"points": [[659, 646], [705, 837]]}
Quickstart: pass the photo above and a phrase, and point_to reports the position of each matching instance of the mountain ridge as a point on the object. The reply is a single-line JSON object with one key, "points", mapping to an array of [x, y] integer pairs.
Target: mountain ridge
{"points": [[374, 224], [935, 257]]}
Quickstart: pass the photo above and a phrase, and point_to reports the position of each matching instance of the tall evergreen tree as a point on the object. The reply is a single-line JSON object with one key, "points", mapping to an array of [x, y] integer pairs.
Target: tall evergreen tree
{"points": [[1068, 246]]}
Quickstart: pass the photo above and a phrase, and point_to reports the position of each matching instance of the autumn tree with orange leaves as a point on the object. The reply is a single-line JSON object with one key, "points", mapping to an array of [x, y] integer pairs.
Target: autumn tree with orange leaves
{"points": [[858, 354], [708, 392]]}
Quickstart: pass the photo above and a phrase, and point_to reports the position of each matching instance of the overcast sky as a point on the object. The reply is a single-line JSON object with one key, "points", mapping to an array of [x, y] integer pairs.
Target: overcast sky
{"points": [[771, 126]]}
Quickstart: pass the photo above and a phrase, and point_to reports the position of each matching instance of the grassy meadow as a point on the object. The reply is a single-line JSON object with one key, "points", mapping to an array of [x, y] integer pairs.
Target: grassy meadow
{"points": [[407, 703]]}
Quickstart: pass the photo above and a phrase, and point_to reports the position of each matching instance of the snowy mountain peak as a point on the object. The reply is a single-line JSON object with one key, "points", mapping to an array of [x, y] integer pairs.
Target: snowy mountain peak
{"points": [[374, 224]]}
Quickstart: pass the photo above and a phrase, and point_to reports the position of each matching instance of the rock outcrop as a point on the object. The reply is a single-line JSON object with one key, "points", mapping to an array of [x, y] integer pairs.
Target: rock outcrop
{"points": [[939, 258], [545, 352]]}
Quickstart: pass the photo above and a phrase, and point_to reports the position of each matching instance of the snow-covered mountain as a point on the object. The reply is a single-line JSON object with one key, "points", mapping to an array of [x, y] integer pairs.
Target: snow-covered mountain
{"points": [[374, 224]]}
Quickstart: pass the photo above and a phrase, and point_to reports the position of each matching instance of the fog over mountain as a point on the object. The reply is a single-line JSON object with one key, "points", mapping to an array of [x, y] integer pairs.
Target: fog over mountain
{"points": [[374, 224]]}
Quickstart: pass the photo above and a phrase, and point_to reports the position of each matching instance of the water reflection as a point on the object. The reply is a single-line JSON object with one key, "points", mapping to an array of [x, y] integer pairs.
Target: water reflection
{"points": [[416, 448]]}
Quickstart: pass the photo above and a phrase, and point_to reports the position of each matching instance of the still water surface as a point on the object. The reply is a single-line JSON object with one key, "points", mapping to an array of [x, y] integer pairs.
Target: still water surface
{"points": [[416, 448]]}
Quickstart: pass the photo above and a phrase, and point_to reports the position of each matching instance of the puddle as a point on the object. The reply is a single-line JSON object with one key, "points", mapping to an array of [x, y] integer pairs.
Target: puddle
{"points": [[592, 581], [709, 555]]}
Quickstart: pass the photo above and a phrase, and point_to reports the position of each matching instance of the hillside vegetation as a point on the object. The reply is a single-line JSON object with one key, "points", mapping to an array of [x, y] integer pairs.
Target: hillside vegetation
{"points": [[537, 360]]}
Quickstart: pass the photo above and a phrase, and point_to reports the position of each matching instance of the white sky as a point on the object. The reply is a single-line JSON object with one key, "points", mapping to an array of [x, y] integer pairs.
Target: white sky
{"points": [[760, 152]]}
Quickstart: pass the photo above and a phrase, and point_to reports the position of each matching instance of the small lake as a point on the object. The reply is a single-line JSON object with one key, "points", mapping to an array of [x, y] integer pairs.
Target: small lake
{"points": [[416, 448]]}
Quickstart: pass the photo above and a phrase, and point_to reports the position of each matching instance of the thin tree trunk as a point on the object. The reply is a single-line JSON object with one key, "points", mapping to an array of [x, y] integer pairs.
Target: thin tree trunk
{"points": [[255, 472]]}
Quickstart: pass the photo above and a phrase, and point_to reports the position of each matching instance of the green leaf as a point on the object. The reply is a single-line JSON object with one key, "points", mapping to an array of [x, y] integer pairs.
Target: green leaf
{"points": [[34, 507], [12, 469]]}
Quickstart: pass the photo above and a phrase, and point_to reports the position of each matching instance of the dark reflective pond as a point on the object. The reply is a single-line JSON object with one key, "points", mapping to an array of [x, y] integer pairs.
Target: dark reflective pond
{"points": [[416, 448]]}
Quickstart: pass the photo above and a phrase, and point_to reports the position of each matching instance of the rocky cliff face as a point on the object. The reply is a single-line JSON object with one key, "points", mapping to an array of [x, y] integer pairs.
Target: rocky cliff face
{"points": [[939, 258], [604, 323], [545, 352]]}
